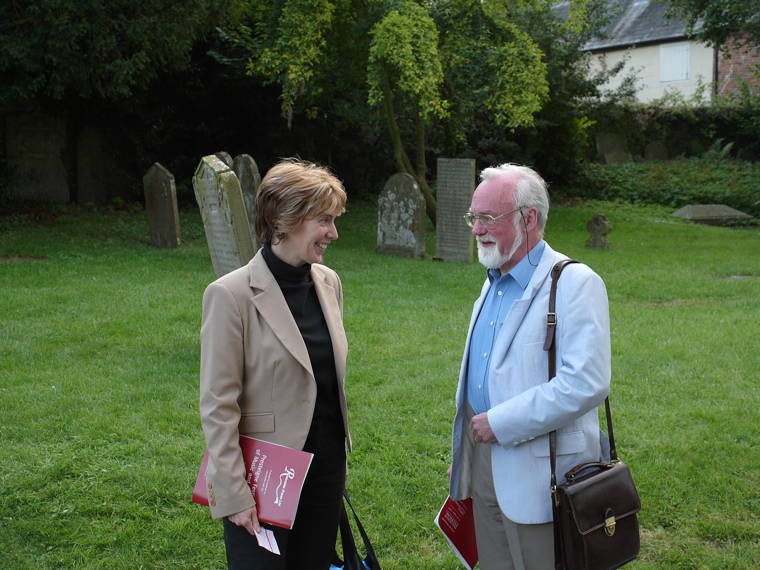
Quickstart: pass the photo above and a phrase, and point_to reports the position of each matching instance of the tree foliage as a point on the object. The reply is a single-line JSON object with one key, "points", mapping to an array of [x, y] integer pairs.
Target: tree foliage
{"points": [[716, 21], [419, 64], [101, 49], [404, 56]]}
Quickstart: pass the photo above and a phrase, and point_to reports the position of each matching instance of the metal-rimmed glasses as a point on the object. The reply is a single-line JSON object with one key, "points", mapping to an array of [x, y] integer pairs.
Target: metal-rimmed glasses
{"points": [[486, 219]]}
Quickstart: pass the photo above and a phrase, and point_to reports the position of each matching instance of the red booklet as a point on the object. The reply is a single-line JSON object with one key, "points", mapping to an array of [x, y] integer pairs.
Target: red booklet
{"points": [[274, 472], [456, 521]]}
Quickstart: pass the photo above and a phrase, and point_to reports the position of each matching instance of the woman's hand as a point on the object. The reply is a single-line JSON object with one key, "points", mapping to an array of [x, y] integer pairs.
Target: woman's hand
{"points": [[248, 519]]}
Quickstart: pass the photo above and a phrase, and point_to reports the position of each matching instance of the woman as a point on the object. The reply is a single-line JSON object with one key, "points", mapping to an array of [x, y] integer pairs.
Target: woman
{"points": [[273, 361]]}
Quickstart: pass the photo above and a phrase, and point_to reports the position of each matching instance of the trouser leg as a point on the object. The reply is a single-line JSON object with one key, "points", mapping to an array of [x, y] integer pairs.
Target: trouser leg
{"points": [[502, 543]]}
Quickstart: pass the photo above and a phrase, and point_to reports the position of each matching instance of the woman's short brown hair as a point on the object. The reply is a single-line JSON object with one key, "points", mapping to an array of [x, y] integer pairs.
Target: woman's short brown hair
{"points": [[293, 191]]}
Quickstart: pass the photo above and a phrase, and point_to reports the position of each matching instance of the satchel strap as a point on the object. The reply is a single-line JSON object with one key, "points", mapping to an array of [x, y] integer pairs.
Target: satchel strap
{"points": [[351, 559], [370, 559], [551, 348]]}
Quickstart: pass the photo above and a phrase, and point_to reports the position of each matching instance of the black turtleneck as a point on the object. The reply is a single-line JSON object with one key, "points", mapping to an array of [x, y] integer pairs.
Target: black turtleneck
{"points": [[298, 289]]}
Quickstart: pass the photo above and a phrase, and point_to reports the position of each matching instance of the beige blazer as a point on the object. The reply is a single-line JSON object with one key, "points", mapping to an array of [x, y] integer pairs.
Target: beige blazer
{"points": [[256, 377]]}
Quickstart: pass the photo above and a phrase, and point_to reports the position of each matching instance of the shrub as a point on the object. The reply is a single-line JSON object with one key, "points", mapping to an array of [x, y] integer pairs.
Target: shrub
{"points": [[674, 183]]}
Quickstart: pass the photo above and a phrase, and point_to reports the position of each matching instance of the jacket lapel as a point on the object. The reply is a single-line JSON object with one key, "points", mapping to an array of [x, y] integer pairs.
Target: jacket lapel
{"points": [[331, 311], [520, 307], [271, 305]]}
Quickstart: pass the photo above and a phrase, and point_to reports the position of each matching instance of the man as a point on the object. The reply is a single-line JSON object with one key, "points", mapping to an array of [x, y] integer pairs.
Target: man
{"points": [[505, 405]]}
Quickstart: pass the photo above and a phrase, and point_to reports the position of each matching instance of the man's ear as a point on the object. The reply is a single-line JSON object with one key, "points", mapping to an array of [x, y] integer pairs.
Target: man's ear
{"points": [[531, 220]]}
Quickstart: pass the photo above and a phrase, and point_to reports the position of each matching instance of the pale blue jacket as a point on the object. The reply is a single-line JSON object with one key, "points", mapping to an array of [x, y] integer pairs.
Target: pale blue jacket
{"points": [[525, 407]]}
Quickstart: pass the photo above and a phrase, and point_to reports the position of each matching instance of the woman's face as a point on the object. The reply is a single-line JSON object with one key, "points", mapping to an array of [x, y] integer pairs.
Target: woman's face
{"points": [[308, 240]]}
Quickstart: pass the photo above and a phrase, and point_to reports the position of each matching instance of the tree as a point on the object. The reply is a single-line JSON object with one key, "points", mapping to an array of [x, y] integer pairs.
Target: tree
{"points": [[423, 68], [99, 49], [716, 21], [469, 49], [419, 64]]}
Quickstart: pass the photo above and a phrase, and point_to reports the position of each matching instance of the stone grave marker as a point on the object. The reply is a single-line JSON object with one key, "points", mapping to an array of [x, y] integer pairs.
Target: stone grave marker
{"points": [[711, 214], [401, 217], [656, 150], [455, 184], [598, 227], [161, 206], [248, 175], [613, 147], [220, 200], [225, 157]]}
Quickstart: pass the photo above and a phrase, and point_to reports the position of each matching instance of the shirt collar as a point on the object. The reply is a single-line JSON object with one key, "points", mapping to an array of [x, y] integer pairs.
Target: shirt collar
{"points": [[523, 271]]}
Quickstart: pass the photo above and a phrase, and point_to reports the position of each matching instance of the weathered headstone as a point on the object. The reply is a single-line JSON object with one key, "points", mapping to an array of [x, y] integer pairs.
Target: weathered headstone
{"points": [[36, 150], [401, 217], [161, 206], [248, 175], [455, 184], [656, 150], [613, 147], [711, 214], [225, 157], [598, 227], [220, 199]]}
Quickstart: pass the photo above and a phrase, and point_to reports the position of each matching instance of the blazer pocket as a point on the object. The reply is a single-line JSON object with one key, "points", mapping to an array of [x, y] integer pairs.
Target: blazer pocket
{"points": [[256, 423], [567, 442]]}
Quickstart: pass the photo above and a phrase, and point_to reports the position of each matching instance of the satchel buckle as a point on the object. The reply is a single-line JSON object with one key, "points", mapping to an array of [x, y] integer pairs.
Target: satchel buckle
{"points": [[555, 494], [551, 319], [609, 525]]}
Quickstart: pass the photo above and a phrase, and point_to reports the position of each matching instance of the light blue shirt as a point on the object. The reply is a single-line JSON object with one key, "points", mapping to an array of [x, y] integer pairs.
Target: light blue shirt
{"points": [[503, 291]]}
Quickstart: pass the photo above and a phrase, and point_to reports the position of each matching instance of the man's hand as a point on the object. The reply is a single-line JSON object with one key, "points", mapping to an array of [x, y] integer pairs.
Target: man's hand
{"points": [[247, 519], [481, 429]]}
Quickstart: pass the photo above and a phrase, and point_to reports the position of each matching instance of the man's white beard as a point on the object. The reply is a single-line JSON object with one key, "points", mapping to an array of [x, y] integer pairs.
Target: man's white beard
{"points": [[492, 257]]}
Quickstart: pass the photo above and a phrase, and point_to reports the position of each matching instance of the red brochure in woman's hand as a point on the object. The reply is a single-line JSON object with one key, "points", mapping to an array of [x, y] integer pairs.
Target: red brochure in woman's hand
{"points": [[274, 472]]}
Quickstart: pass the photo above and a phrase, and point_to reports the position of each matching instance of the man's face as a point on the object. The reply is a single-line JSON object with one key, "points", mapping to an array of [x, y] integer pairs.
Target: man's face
{"points": [[497, 243]]}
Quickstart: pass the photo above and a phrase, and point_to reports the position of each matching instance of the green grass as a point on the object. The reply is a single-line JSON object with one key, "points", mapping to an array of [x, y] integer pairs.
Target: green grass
{"points": [[99, 429]]}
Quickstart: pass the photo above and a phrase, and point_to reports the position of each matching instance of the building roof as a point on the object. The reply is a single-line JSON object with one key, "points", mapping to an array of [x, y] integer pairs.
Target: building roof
{"points": [[634, 22]]}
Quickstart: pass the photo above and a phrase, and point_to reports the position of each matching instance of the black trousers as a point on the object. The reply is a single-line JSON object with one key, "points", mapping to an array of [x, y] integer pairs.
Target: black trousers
{"points": [[310, 545]]}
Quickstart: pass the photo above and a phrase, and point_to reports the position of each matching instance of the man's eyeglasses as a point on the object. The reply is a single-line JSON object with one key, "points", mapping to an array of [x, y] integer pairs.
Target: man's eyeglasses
{"points": [[486, 219]]}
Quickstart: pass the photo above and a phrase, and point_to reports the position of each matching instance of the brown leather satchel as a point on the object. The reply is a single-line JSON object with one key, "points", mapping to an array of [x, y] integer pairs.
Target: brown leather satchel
{"points": [[595, 509]]}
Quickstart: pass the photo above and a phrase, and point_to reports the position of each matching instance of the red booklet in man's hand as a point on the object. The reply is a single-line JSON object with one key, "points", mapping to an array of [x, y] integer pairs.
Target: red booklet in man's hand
{"points": [[456, 521], [274, 472]]}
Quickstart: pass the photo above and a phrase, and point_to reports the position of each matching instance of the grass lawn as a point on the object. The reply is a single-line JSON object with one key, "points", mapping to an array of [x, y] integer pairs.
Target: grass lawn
{"points": [[99, 428]]}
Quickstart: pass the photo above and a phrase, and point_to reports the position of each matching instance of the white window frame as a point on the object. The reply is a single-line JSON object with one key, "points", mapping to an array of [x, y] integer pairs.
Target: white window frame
{"points": [[675, 62]]}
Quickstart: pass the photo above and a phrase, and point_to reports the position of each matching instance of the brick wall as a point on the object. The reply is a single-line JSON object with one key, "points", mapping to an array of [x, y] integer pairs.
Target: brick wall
{"points": [[738, 63]]}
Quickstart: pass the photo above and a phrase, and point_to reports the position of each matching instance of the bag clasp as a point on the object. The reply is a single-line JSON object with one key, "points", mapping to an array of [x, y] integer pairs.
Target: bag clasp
{"points": [[609, 523]]}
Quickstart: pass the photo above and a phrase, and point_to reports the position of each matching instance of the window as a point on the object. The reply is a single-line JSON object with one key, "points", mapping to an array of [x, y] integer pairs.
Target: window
{"points": [[674, 62]]}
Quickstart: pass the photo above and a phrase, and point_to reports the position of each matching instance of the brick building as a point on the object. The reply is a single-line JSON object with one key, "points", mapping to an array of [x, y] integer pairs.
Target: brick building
{"points": [[665, 58]]}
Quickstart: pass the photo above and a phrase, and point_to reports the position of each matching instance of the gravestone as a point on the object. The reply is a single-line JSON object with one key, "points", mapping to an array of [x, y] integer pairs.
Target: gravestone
{"points": [[613, 147], [248, 175], [455, 184], [220, 200], [598, 227], [225, 157], [401, 217], [656, 150], [711, 214], [35, 146], [161, 206]]}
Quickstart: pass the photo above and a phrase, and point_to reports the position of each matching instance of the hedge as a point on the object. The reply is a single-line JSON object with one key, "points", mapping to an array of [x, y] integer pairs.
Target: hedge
{"points": [[674, 183]]}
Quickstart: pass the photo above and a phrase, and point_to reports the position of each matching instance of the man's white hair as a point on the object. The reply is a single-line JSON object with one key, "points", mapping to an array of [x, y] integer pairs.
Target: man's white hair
{"points": [[531, 188]]}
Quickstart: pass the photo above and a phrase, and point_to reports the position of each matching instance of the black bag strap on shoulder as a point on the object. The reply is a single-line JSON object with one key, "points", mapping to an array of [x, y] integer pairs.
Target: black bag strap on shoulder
{"points": [[551, 348]]}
